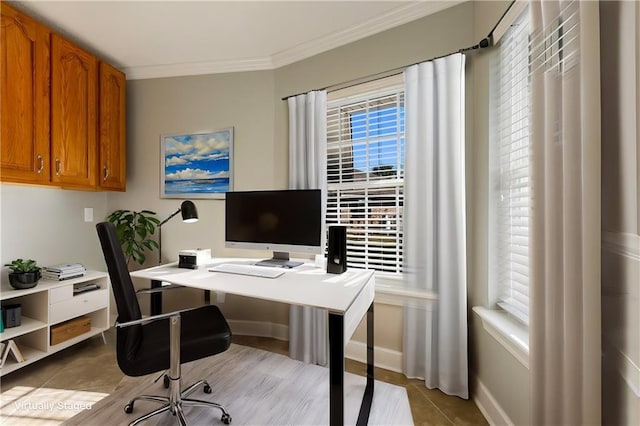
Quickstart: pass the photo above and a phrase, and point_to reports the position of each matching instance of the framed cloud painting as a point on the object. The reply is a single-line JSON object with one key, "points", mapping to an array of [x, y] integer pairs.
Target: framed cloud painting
{"points": [[196, 165]]}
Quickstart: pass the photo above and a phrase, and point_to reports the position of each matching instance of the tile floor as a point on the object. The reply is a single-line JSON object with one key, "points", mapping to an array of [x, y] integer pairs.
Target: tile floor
{"points": [[91, 366]]}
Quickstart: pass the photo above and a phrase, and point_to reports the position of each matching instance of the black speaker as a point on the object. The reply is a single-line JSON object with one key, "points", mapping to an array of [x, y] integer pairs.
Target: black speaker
{"points": [[337, 250], [12, 315]]}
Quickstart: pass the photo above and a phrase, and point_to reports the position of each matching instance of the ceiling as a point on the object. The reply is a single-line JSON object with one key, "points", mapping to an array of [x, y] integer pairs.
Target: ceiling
{"points": [[148, 39]]}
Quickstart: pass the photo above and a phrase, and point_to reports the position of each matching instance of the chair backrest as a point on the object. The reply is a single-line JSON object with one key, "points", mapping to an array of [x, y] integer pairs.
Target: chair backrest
{"points": [[123, 290]]}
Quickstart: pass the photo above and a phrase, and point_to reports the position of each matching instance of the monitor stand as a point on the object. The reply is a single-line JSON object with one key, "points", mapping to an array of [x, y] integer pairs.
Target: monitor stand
{"points": [[280, 259]]}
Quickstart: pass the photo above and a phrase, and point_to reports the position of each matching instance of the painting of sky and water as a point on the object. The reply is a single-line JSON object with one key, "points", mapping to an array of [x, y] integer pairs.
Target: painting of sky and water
{"points": [[197, 165]]}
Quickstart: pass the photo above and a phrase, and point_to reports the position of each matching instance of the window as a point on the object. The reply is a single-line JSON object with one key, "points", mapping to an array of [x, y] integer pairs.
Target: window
{"points": [[365, 172], [510, 158]]}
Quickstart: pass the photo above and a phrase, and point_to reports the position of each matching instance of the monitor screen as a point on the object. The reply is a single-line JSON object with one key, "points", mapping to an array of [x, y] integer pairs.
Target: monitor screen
{"points": [[285, 220]]}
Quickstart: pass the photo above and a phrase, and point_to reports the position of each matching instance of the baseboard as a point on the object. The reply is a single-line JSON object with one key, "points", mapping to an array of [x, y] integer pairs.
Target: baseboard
{"points": [[488, 405], [357, 351], [383, 357], [260, 329]]}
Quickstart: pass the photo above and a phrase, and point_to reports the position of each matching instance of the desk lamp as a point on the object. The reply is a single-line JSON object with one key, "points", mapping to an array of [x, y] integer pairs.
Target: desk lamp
{"points": [[189, 215]]}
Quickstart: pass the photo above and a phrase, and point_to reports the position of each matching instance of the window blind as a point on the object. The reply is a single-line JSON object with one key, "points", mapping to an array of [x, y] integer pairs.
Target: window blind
{"points": [[549, 53], [365, 174], [510, 156], [555, 49]]}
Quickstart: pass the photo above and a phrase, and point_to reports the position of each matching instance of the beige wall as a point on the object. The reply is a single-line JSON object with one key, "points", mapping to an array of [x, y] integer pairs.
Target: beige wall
{"points": [[620, 73], [208, 102], [47, 225]]}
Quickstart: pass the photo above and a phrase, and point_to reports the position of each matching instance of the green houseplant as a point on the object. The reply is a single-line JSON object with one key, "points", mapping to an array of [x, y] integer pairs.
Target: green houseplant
{"points": [[25, 273], [135, 230]]}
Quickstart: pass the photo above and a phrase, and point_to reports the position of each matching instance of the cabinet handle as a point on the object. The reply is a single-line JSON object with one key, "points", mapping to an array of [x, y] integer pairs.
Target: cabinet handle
{"points": [[58, 167], [40, 164], [106, 173]]}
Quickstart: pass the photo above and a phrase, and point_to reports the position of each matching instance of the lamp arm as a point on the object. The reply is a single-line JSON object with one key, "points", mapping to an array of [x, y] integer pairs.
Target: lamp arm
{"points": [[167, 219], [160, 235]]}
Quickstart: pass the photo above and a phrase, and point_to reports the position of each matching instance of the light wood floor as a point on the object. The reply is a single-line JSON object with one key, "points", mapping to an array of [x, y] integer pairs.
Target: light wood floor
{"points": [[91, 366]]}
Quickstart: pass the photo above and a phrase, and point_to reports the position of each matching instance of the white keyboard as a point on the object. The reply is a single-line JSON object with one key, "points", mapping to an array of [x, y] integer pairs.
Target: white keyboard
{"points": [[252, 270]]}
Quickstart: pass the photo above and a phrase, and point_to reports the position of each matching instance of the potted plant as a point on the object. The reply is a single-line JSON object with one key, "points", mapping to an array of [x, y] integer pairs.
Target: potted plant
{"points": [[25, 273], [134, 232]]}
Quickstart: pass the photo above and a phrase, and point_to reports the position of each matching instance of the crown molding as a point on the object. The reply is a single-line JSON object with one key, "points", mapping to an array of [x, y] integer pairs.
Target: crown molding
{"points": [[394, 18], [197, 68]]}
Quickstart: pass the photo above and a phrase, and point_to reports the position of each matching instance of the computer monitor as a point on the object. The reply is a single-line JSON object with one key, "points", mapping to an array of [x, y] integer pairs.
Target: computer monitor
{"points": [[281, 220]]}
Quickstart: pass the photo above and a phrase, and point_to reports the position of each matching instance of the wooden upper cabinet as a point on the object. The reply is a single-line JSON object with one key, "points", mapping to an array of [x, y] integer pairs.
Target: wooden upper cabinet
{"points": [[24, 72], [73, 115], [112, 133], [62, 117]]}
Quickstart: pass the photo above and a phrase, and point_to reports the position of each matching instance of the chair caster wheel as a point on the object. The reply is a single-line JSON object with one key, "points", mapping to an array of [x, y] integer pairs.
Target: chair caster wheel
{"points": [[128, 408], [226, 419], [207, 389], [165, 380]]}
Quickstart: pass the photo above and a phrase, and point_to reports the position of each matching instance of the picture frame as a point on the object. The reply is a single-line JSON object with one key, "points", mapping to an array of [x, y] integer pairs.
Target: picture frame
{"points": [[196, 164]]}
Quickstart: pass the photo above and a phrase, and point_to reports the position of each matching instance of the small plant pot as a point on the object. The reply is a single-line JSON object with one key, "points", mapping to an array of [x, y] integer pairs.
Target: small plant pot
{"points": [[24, 280]]}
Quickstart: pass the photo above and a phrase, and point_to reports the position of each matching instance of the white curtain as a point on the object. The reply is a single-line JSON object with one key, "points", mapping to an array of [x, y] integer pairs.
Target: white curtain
{"points": [[308, 333], [435, 340], [565, 237]]}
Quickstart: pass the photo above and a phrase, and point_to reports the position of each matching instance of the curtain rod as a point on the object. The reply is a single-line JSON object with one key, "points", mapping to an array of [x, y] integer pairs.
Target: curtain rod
{"points": [[485, 42]]}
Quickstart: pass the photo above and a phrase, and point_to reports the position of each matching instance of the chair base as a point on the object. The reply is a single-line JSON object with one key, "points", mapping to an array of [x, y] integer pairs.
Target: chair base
{"points": [[175, 406]]}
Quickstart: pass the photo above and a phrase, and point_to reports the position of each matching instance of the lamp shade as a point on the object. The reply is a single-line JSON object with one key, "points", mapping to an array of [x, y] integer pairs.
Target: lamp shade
{"points": [[189, 212]]}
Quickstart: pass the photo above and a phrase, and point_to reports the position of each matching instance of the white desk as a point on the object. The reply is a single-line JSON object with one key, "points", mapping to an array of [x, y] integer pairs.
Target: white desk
{"points": [[346, 297]]}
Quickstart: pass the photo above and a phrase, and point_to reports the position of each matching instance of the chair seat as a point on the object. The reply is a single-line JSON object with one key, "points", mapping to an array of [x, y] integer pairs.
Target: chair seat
{"points": [[203, 332]]}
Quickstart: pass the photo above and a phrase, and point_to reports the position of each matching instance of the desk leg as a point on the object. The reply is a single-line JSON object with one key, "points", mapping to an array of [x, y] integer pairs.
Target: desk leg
{"points": [[336, 369], [367, 398], [156, 298]]}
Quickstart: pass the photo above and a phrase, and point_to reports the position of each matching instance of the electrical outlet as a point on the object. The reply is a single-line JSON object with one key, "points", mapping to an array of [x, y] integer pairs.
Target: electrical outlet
{"points": [[88, 214]]}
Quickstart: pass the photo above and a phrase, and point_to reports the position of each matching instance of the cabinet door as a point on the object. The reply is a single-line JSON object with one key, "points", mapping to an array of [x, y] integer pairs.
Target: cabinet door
{"points": [[24, 72], [73, 115], [112, 133]]}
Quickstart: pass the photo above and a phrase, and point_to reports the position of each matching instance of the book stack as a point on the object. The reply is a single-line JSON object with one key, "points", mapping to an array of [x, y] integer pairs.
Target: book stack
{"points": [[63, 272], [83, 288]]}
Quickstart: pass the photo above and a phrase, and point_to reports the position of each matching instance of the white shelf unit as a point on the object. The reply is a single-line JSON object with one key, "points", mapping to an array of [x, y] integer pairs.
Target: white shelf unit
{"points": [[50, 303]]}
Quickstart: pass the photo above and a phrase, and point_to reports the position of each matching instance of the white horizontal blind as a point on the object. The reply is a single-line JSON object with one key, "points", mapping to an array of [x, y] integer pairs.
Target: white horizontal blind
{"points": [[365, 175], [510, 169], [555, 49]]}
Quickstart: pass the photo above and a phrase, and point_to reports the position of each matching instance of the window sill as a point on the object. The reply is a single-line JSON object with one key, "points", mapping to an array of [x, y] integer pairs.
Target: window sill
{"points": [[390, 291], [510, 333]]}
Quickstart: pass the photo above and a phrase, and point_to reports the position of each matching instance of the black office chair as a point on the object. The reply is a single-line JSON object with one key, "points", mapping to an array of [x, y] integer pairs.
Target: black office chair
{"points": [[160, 342]]}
